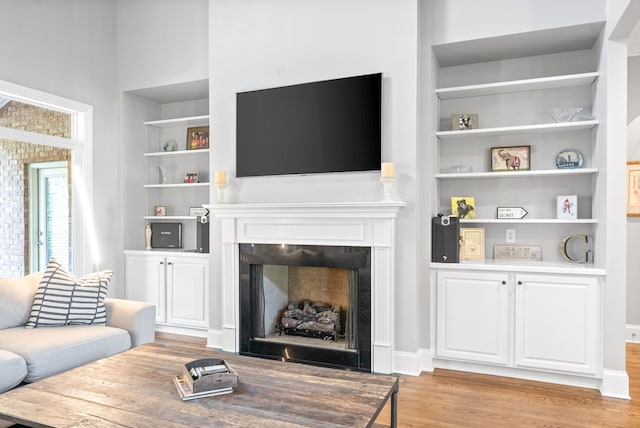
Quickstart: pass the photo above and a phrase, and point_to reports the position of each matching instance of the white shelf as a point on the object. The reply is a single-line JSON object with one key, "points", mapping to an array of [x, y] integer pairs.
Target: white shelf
{"points": [[528, 221], [177, 153], [523, 266], [169, 217], [506, 87], [176, 185], [518, 130], [180, 121], [516, 174]]}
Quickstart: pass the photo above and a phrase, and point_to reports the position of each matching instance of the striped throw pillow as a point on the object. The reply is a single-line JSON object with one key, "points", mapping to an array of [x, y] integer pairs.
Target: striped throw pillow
{"points": [[63, 299]]}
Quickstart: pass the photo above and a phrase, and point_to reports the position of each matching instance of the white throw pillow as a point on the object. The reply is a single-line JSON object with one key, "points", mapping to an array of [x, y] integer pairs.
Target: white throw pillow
{"points": [[63, 299], [16, 297]]}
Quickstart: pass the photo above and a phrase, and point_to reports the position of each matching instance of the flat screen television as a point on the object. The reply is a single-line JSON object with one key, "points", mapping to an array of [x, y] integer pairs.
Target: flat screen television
{"points": [[327, 126]]}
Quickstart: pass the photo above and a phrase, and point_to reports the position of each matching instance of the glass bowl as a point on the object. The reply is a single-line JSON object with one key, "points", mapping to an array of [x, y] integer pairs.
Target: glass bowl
{"points": [[564, 114]]}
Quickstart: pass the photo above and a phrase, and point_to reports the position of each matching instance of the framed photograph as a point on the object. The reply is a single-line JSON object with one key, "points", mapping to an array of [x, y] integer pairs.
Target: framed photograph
{"points": [[472, 243], [515, 158], [633, 189], [463, 206], [191, 177], [567, 206], [161, 210], [464, 121], [198, 138]]}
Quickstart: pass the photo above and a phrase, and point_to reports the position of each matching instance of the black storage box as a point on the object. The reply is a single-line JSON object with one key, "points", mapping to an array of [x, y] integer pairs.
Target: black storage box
{"points": [[166, 235]]}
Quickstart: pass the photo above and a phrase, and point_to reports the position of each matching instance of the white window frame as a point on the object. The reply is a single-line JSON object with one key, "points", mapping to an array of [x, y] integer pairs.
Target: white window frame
{"points": [[81, 147]]}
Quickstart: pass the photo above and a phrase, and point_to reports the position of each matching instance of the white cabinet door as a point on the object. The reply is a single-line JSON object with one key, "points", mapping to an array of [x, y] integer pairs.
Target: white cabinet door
{"points": [[557, 323], [188, 291], [145, 281], [473, 316]]}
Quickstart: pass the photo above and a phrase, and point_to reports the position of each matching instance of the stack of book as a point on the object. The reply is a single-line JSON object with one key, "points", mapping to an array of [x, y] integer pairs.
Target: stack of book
{"points": [[205, 377]]}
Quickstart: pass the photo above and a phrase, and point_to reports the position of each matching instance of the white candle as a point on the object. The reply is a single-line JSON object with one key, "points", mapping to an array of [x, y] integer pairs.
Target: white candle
{"points": [[388, 170], [221, 177]]}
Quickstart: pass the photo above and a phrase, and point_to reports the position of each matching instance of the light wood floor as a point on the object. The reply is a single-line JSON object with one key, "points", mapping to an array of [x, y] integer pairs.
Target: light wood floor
{"points": [[448, 398]]}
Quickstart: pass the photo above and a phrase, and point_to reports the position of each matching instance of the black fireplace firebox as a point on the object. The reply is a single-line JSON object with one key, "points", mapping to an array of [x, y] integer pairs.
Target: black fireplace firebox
{"points": [[355, 334]]}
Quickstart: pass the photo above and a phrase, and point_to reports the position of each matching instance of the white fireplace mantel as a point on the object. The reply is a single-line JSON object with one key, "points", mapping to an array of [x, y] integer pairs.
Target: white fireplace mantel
{"points": [[365, 224]]}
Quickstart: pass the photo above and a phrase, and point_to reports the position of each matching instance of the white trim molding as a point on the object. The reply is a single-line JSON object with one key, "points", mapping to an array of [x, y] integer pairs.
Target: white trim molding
{"points": [[85, 257]]}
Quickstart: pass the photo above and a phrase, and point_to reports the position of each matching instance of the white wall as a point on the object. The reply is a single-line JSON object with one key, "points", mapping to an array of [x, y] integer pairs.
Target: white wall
{"points": [[260, 44], [66, 48], [161, 42]]}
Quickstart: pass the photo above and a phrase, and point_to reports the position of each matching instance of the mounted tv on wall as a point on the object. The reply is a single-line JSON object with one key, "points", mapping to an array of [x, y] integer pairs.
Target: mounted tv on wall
{"points": [[327, 126]]}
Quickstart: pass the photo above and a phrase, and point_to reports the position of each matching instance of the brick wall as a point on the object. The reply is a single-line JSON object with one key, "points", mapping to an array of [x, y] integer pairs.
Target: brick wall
{"points": [[15, 158]]}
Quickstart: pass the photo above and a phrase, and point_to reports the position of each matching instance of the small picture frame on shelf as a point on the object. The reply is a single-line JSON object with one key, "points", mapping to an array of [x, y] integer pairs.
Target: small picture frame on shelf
{"points": [[464, 121], [463, 207], [514, 158], [472, 243], [633, 188], [191, 177], [567, 207], [198, 138], [160, 210]]}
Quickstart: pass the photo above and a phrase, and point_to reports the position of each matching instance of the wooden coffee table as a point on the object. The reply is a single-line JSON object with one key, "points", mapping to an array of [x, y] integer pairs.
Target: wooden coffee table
{"points": [[135, 389]]}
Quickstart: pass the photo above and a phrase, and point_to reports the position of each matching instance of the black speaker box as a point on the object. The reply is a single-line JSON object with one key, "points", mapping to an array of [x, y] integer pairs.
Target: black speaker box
{"points": [[202, 234], [445, 239]]}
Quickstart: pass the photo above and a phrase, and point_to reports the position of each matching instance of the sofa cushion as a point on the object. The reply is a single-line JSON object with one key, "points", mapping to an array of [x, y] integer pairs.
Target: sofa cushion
{"points": [[13, 370], [16, 297], [62, 299], [50, 350]]}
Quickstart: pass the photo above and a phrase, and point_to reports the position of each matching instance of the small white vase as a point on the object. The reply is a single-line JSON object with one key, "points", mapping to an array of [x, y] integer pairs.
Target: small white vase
{"points": [[166, 174]]}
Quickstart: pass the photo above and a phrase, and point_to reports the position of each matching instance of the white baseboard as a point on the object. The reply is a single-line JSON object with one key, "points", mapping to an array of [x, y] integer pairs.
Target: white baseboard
{"points": [[615, 384], [407, 363], [632, 333], [185, 331], [214, 339]]}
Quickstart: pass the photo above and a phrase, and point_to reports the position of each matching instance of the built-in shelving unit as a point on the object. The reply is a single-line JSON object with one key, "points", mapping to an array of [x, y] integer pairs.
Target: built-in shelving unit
{"points": [[525, 85], [518, 130], [177, 153], [179, 122], [510, 315], [175, 194], [534, 189], [517, 174]]}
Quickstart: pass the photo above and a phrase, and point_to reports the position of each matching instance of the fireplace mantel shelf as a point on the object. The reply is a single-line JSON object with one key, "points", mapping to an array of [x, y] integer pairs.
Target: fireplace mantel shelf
{"points": [[343, 209]]}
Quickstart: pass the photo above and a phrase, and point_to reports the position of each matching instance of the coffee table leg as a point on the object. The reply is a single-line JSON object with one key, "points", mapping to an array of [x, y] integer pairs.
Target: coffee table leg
{"points": [[394, 408]]}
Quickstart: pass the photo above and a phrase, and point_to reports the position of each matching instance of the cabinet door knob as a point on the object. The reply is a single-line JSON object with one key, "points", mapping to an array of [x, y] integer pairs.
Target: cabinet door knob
{"points": [[519, 282], [161, 263], [503, 282], [169, 263]]}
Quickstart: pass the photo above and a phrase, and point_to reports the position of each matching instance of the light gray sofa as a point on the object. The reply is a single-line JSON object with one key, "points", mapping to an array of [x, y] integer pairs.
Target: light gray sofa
{"points": [[31, 354]]}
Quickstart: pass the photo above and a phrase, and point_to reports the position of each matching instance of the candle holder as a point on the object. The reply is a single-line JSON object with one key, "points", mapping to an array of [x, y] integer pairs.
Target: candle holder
{"points": [[387, 185], [220, 187]]}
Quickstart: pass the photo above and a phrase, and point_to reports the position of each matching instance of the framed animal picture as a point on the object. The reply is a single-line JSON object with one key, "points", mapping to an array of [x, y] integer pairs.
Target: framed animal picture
{"points": [[515, 158], [463, 207]]}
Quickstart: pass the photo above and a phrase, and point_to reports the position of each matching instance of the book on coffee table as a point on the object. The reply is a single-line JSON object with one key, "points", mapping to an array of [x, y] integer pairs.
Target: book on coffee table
{"points": [[186, 393]]}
